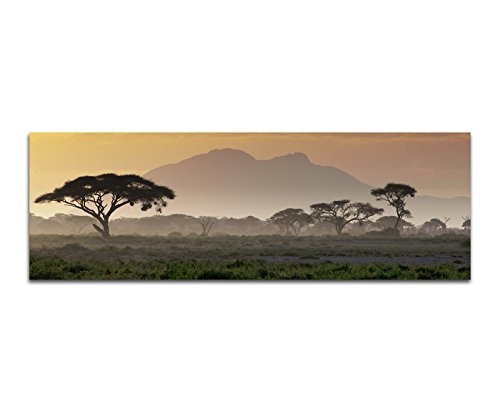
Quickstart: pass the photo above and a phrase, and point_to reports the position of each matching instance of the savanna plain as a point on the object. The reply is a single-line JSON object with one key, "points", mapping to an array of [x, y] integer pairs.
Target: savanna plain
{"points": [[263, 257]]}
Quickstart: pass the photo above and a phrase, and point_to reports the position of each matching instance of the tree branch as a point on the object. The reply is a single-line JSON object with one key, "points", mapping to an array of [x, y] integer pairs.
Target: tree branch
{"points": [[81, 207]]}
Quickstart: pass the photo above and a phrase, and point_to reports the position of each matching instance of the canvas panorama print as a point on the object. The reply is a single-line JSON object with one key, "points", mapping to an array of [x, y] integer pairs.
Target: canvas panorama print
{"points": [[249, 206]]}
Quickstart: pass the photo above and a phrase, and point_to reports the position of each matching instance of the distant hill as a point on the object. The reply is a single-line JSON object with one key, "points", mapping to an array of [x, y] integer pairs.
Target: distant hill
{"points": [[230, 182]]}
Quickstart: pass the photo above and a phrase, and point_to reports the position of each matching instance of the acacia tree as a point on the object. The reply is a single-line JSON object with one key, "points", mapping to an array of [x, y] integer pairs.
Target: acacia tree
{"points": [[206, 223], [396, 195], [100, 196], [342, 212], [434, 225], [291, 220]]}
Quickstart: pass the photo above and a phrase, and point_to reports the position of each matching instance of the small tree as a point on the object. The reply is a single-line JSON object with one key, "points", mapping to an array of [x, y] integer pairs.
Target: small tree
{"points": [[343, 212], [291, 220], [396, 195], [434, 225], [206, 223], [466, 224], [100, 196]]}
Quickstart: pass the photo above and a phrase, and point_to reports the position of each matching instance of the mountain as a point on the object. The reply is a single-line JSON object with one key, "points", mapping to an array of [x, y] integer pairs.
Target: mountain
{"points": [[230, 182]]}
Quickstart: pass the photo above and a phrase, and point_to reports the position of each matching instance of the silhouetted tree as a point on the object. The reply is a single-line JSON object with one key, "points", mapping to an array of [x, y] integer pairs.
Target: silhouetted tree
{"points": [[434, 225], [206, 223], [343, 212], [100, 196], [396, 194], [466, 224], [291, 220]]}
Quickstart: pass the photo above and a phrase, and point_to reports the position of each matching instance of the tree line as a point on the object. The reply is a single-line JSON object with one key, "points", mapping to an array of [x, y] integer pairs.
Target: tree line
{"points": [[342, 212], [176, 225], [101, 196]]}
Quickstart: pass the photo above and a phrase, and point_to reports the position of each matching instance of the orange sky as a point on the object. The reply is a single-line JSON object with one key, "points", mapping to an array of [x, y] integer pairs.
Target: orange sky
{"points": [[436, 164]]}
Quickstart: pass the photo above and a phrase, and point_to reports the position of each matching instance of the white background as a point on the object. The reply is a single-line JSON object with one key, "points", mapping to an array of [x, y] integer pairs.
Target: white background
{"points": [[249, 66]]}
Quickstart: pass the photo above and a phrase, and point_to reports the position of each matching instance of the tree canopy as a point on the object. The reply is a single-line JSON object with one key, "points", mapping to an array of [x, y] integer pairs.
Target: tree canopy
{"points": [[342, 212], [100, 196], [396, 195], [434, 225], [206, 223], [466, 223], [291, 220]]}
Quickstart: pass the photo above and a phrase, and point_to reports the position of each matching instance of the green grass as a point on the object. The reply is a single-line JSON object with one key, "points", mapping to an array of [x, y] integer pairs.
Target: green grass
{"points": [[247, 257], [47, 267]]}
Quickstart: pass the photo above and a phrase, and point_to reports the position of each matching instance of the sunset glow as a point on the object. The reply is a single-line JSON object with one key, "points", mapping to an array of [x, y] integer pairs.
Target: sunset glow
{"points": [[437, 163]]}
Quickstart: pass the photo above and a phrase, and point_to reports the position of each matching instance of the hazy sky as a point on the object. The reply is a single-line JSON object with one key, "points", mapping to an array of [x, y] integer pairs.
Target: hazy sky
{"points": [[436, 164]]}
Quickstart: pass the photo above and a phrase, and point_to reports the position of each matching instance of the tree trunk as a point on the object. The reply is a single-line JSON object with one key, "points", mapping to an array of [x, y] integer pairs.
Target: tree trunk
{"points": [[105, 226], [397, 222], [104, 231], [296, 231]]}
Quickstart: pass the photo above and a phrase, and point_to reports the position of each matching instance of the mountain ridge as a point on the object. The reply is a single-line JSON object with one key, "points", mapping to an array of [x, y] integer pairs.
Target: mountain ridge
{"points": [[231, 182]]}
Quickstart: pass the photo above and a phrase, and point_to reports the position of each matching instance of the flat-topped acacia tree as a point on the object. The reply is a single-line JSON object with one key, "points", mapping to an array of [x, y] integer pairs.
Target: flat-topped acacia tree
{"points": [[342, 212], [100, 196], [291, 220], [396, 195]]}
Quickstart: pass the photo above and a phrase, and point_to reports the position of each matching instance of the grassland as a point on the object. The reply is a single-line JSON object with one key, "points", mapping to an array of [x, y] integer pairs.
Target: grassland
{"points": [[249, 258]]}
